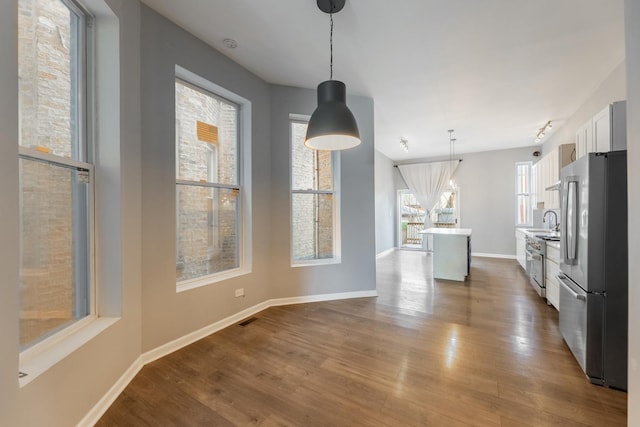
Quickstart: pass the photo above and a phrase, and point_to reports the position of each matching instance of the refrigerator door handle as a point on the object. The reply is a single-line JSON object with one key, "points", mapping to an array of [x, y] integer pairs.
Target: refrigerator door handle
{"points": [[571, 208], [574, 294]]}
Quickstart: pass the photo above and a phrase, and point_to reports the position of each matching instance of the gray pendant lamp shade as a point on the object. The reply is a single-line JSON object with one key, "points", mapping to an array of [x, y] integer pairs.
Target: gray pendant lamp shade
{"points": [[332, 125]]}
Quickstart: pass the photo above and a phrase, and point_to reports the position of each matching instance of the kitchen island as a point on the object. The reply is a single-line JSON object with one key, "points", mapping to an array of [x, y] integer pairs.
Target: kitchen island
{"points": [[451, 252]]}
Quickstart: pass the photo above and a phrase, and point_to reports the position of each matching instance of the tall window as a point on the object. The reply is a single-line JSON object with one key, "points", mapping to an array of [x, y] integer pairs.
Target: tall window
{"points": [[56, 174], [208, 183], [524, 203], [314, 202]]}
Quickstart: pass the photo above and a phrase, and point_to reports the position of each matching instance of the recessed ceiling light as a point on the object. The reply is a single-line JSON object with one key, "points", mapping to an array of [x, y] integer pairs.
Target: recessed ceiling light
{"points": [[230, 43]]}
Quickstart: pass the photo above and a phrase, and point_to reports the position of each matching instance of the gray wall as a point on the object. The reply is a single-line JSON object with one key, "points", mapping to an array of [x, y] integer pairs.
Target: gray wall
{"points": [[135, 210], [385, 203], [66, 392], [487, 197], [632, 30], [613, 88], [356, 272], [9, 213], [168, 315]]}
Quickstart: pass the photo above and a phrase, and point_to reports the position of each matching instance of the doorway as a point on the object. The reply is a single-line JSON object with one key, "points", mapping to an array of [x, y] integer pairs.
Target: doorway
{"points": [[411, 217], [411, 220]]}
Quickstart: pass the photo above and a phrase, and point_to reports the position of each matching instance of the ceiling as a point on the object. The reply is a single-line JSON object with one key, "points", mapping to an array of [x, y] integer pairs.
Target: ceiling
{"points": [[494, 70]]}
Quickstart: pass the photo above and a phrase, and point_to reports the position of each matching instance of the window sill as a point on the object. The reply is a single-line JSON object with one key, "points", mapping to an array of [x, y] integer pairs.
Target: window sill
{"points": [[316, 262], [187, 285], [38, 359]]}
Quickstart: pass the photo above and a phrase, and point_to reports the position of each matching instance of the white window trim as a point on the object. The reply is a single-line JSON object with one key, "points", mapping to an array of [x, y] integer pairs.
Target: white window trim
{"points": [[38, 358], [530, 194], [244, 177], [79, 160], [337, 235]]}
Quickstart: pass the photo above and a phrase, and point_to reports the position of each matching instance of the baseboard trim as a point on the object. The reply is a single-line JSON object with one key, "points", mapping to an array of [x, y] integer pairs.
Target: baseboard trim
{"points": [[194, 336], [321, 297], [94, 415], [383, 253], [485, 255]]}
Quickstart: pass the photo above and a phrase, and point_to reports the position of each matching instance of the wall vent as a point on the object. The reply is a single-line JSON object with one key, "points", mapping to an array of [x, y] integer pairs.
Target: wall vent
{"points": [[249, 320]]}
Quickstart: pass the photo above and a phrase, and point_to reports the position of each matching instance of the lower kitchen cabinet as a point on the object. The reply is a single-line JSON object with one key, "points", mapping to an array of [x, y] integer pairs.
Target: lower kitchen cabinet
{"points": [[551, 274]]}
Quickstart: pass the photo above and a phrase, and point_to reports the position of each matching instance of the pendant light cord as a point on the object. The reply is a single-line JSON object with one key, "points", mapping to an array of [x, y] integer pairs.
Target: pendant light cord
{"points": [[451, 140], [331, 44], [450, 155]]}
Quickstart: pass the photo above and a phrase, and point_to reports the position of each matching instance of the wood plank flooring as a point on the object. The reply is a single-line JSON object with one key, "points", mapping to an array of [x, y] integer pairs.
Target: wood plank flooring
{"points": [[486, 352]]}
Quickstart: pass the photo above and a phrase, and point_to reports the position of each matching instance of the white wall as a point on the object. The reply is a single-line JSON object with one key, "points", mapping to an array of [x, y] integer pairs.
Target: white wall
{"points": [[385, 203], [487, 197], [632, 32], [357, 270], [613, 88]]}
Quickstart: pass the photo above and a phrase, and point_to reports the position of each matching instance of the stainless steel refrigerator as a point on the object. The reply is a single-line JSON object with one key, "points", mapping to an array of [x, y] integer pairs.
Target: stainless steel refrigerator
{"points": [[593, 269]]}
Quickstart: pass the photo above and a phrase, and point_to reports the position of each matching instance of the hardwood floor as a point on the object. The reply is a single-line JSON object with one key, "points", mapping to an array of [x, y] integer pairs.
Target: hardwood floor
{"points": [[486, 352]]}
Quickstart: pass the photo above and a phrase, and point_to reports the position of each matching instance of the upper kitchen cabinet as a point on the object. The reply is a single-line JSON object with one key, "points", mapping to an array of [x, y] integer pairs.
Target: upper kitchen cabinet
{"points": [[548, 175], [606, 131], [584, 139]]}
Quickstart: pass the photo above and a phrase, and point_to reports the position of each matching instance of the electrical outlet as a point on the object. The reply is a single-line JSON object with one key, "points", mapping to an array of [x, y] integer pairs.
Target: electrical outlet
{"points": [[239, 292]]}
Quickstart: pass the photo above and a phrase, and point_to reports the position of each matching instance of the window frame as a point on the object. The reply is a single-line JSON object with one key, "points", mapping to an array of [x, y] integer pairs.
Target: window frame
{"points": [[529, 194], [336, 229], [243, 184], [81, 160]]}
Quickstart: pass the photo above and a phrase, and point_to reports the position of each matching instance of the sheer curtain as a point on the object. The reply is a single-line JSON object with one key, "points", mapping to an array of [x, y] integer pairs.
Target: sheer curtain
{"points": [[427, 181]]}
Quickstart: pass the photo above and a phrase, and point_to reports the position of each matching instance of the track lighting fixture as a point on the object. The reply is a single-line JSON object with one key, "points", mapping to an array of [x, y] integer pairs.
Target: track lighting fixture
{"points": [[543, 131], [404, 143]]}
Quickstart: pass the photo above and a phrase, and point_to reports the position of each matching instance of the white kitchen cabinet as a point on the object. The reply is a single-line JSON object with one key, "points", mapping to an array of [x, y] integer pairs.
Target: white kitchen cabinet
{"points": [[606, 131], [548, 174], [552, 268], [451, 252], [552, 198], [584, 139], [521, 248], [602, 131]]}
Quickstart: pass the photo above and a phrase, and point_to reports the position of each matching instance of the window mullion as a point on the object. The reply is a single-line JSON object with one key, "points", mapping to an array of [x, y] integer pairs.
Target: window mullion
{"points": [[207, 184], [65, 162], [328, 192]]}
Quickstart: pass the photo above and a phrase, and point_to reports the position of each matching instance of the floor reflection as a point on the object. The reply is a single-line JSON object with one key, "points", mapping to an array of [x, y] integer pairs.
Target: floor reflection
{"points": [[496, 297]]}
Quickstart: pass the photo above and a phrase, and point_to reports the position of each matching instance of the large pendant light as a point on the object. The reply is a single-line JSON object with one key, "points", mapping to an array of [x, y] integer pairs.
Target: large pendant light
{"points": [[332, 125]]}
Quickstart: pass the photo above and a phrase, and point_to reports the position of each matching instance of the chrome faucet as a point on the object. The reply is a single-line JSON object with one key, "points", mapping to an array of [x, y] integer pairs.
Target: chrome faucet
{"points": [[556, 224]]}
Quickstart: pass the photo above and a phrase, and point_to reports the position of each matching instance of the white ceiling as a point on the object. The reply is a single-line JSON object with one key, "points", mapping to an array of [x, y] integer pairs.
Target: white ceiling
{"points": [[493, 70]]}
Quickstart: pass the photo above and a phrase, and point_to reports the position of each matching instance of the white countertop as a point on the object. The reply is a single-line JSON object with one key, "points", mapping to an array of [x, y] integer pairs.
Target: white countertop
{"points": [[447, 231], [536, 231]]}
